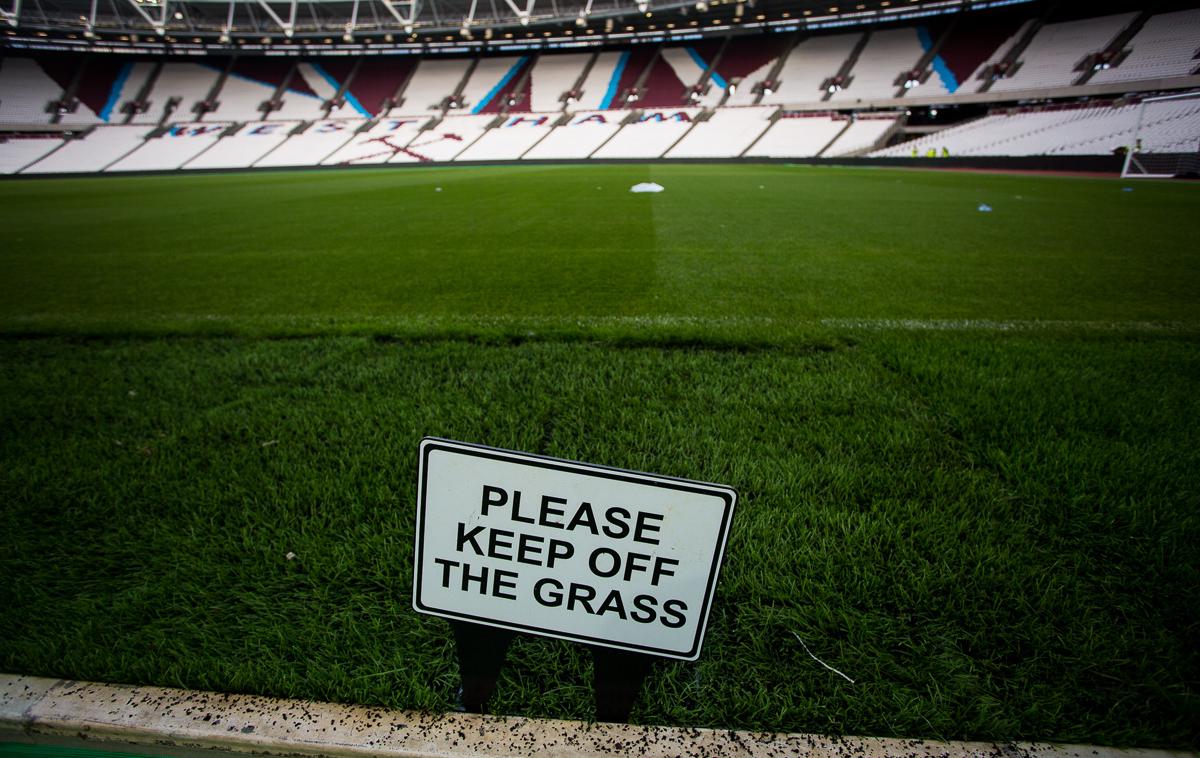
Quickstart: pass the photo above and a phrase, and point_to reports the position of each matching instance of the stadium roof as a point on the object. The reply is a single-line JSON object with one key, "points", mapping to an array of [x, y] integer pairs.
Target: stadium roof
{"points": [[354, 26]]}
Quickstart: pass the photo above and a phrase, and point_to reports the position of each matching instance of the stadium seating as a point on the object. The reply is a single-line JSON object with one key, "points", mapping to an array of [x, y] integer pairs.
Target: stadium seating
{"points": [[380, 143], [100, 89], [746, 62], [969, 44], [177, 145], [863, 134], [434, 80], [886, 55], [583, 133], [445, 140], [630, 66], [254, 81], [1166, 46], [1052, 57], [96, 150], [19, 150], [650, 134], [374, 83], [26, 91], [552, 76], [312, 146], [670, 74], [809, 65], [692, 97], [509, 141], [601, 82], [1168, 126], [191, 83], [249, 144], [688, 64], [798, 135], [492, 82], [725, 135], [979, 78]]}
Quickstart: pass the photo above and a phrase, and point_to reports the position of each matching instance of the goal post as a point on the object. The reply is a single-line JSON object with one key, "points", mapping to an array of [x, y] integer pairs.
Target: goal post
{"points": [[1166, 139]]}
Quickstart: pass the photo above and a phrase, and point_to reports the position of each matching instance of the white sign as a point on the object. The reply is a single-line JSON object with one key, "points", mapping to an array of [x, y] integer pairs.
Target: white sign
{"points": [[566, 549]]}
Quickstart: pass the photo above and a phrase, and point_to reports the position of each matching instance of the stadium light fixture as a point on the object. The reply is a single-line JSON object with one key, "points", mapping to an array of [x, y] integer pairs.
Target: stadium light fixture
{"points": [[408, 29], [702, 6]]}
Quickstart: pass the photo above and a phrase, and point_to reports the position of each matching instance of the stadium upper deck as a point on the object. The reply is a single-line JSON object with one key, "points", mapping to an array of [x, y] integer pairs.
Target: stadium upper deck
{"points": [[768, 93]]}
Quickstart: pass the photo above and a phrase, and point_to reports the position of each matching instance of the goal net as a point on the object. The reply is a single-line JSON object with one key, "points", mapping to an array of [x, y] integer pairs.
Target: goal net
{"points": [[1166, 140]]}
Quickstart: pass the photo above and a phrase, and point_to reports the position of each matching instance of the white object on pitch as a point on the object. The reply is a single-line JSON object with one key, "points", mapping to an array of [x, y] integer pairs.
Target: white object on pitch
{"points": [[647, 187], [566, 549]]}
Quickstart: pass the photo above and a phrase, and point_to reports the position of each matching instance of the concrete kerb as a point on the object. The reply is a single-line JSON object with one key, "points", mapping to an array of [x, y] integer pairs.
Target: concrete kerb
{"points": [[120, 716]]}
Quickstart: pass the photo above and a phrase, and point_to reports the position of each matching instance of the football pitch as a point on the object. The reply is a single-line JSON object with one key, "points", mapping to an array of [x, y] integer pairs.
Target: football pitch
{"points": [[967, 443]]}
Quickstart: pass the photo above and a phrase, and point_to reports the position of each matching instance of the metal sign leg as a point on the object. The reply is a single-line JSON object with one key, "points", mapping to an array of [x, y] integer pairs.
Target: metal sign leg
{"points": [[618, 676], [481, 653]]}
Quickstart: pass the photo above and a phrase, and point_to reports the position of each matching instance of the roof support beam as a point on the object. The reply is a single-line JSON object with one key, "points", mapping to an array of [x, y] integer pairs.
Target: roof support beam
{"points": [[287, 26], [228, 23], [393, 7], [11, 15], [159, 24], [522, 14]]}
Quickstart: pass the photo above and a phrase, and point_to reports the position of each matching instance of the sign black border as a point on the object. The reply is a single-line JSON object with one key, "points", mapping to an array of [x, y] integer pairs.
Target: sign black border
{"points": [[727, 494]]}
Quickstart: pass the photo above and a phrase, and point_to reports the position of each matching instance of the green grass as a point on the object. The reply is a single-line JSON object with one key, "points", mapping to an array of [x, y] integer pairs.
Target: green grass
{"points": [[756, 253], [986, 516]]}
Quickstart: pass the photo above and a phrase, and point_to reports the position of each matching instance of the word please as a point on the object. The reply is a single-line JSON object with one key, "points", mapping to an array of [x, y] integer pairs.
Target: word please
{"points": [[614, 522]]}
